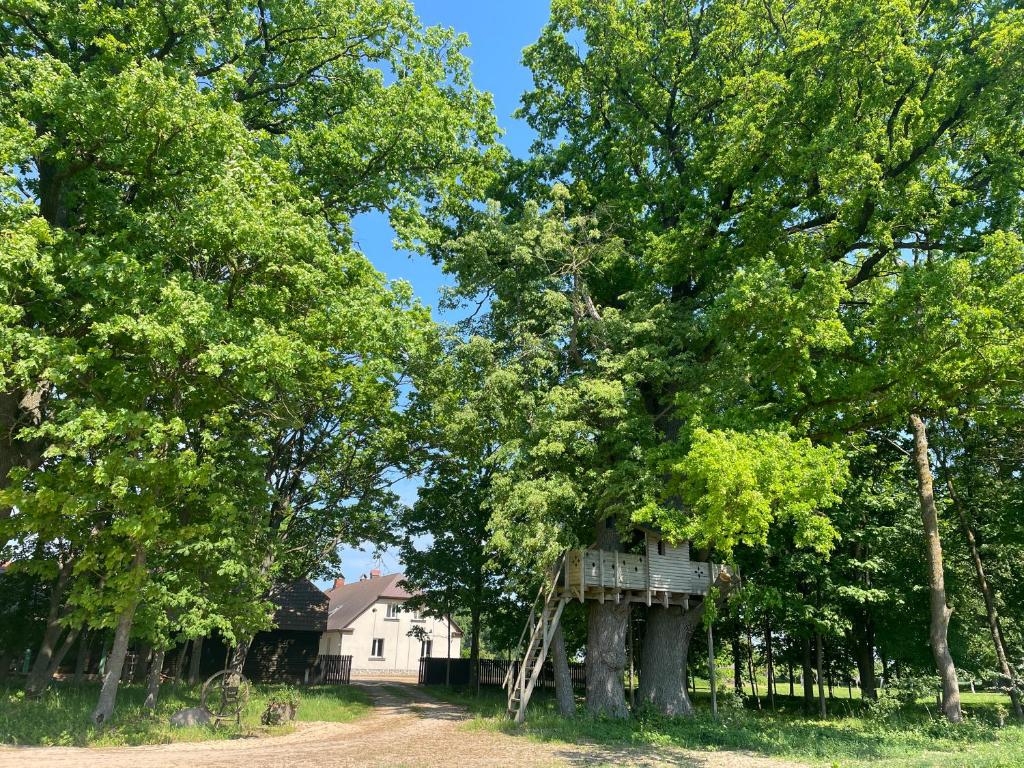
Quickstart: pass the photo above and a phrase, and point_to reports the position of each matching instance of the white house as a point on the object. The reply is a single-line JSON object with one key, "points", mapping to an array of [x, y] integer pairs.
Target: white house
{"points": [[367, 620]]}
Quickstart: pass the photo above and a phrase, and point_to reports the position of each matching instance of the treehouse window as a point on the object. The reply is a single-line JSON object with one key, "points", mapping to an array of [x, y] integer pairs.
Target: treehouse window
{"points": [[661, 546]]}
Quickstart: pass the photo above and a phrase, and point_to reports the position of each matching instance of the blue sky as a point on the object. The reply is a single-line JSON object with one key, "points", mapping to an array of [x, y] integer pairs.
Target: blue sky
{"points": [[498, 32]]}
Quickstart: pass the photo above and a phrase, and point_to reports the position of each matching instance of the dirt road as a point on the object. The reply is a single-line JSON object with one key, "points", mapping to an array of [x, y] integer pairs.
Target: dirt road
{"points": [[407, 728]]}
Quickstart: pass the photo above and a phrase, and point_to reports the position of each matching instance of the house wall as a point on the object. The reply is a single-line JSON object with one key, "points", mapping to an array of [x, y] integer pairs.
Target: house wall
{"points": [[401, 652]]}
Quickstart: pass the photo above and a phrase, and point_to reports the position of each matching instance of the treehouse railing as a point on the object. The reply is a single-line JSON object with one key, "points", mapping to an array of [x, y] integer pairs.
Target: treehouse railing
{"points": [[624, 571]]}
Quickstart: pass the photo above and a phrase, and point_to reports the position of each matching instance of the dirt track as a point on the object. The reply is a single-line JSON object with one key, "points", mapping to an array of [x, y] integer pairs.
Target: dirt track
{"points": [[409, 730]]}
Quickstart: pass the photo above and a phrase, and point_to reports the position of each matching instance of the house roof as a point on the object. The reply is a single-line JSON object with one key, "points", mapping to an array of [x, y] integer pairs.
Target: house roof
{"points": [[349, 601], [300, 605]]}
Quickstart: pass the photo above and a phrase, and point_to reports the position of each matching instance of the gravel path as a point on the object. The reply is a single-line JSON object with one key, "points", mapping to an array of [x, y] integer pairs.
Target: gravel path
{"points": [[410, 729]]}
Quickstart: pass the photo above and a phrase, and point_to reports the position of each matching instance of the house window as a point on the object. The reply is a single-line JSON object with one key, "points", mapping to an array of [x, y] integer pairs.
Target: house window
{"points": [[417, 614], [661, 546], [392, 611], [426, 646], [377, 648]]}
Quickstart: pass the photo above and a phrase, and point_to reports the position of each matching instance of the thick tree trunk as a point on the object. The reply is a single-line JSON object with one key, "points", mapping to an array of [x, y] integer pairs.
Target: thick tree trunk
{"points": [[19, 409], [606, 658], [115, 664], [939, 609], [607, 625], [866, 659], [807, 676], [153, 679], [194, 661], [563, 679], [991, 610], [665, 652]]}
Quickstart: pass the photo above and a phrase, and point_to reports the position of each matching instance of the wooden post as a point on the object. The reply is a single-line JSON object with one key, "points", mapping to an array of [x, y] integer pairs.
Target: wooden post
{"points": [[712, 676], [632, 699], [647, 560]]}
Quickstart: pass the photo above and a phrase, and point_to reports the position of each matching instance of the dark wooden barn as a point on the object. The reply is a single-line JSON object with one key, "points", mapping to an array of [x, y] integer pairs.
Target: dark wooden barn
{"points": [[286, 653]]}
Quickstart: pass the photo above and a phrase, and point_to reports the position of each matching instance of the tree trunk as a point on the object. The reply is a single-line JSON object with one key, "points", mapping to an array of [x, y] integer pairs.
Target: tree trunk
{"points": [[179, 661], [238, 654], [118, 650], [822, 707], [39, 676], [789, 667], [737, 662], [58, 657], [866, 660], [142, 659], [563, 679], [82, 657], [750, 669], [665, 652], [807, 677], [20, 408], [115, 663], [992, 612], [194, 662], [474, 648], [153, 679], [606, 658], [770, 662], [607, 625], [940, 611]]}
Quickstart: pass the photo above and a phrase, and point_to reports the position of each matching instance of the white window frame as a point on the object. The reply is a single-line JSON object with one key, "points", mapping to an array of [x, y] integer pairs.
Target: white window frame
{"points": [[391, 612], [374, 654], [427, 648]]}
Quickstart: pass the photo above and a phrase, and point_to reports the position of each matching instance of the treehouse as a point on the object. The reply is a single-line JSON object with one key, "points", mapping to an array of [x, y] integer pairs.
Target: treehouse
{"points": [[654, 573]]}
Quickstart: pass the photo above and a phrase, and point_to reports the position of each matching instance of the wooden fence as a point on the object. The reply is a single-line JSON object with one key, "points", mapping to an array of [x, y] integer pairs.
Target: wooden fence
{"points": [[492, 672], [331, 670]]}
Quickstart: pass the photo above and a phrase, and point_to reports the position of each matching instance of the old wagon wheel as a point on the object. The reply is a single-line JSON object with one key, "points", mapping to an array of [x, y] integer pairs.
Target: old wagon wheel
{"points": [[225, 695]]}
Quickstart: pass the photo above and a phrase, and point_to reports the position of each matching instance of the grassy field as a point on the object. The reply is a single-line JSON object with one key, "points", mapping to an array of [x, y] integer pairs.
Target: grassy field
{"points": [[911, 737], [62, 717]]}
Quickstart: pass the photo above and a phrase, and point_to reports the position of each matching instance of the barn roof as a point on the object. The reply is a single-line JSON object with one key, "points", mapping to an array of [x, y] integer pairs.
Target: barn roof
{"points": [[300, 605]]}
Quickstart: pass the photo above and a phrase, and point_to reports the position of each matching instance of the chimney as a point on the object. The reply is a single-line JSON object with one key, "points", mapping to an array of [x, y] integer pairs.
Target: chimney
{"points": [[339, 582], [375, 573]]}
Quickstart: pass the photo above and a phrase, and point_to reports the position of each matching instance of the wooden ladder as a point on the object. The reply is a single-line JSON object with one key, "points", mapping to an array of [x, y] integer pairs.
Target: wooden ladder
{"points": [[522, 676]]}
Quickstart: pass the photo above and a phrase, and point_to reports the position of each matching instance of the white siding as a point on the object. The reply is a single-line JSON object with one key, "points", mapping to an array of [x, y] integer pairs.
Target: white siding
{"points": [[401, 652]]}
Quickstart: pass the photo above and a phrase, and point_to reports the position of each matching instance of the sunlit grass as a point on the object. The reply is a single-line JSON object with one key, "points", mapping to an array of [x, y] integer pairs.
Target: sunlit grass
{"points": [[911, 738], [62, 716]]}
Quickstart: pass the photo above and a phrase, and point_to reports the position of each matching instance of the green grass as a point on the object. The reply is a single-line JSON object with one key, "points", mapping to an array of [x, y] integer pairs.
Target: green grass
{"points": [[910, 738], [62, 716]]}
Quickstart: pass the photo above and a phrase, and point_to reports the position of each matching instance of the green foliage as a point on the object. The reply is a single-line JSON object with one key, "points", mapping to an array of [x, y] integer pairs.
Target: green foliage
{"points": [[734, 487]]}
